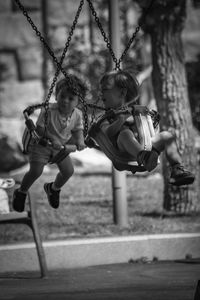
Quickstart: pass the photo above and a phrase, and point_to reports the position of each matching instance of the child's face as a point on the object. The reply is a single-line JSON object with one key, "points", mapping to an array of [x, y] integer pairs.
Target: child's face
{"points": [[66, 102], [112, 96]]}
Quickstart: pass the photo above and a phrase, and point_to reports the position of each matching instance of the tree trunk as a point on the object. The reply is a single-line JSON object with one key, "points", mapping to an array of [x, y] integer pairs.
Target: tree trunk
{"points": [[164, 23]]}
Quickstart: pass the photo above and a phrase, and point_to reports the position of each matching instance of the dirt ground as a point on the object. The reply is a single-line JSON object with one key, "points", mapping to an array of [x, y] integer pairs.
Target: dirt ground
{"points": [[86, 207]]}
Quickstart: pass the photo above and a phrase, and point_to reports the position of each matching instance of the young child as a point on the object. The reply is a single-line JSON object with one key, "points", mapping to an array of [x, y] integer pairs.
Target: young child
{"points": [[65, 126], [118, 88]]}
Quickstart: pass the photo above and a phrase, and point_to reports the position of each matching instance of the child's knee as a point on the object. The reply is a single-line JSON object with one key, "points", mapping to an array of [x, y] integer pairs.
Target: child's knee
{"points": [[71, 171], [68, 172], [122, 138], [124, 134], [35, 170]]}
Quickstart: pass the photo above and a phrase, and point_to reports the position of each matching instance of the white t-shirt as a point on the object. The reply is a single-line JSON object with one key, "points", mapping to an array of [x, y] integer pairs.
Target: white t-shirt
{"points": [[60, 130]]}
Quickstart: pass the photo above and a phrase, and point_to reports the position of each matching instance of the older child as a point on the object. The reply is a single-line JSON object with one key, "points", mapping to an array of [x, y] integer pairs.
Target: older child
{"points": [[118, 88], [65, 126]]}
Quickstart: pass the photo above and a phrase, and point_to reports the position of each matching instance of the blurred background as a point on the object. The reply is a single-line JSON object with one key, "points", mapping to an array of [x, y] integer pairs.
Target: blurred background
{"points": [[26, 69], [26, 73]]}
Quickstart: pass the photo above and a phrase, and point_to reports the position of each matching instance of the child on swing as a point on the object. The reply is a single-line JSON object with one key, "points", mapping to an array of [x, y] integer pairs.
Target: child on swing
{"points": [[65, 126], [118, 88]]}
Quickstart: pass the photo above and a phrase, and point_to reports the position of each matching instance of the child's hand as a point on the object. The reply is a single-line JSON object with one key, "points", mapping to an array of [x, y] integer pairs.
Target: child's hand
{"points": [[80, 145], [123, 117]]}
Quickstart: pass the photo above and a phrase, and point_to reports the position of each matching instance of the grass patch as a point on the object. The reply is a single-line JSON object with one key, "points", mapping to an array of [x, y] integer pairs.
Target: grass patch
{"points": [[86, 210]]}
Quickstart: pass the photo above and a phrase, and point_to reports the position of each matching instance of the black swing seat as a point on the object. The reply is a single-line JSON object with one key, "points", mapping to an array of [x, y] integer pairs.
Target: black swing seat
{"points": [[98, 138]]}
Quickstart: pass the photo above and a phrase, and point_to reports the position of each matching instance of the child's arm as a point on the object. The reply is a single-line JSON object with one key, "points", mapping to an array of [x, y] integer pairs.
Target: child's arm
{"points": [[79, 139], [116, 126], [77, 131]]}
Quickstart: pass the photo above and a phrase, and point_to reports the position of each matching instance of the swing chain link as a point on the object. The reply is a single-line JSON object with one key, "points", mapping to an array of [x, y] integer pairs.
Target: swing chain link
{"points": [[67, 44], [129, 44], [94, 13], [115, 60], [34, 27], [137, 29], [58, 64], [131, 40]]}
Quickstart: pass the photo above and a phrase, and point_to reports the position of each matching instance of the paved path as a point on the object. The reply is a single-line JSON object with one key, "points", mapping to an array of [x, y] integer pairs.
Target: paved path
{"points": [[154, 281]]}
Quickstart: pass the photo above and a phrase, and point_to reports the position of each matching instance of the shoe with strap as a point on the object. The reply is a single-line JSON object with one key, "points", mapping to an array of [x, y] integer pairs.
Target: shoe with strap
{"points": [[52, 195], [19, 199], [149, 159], [181, 176]]}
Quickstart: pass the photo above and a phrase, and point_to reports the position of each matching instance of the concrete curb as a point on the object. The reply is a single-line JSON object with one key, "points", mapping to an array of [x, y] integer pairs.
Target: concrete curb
{"points": [[89, 252]]}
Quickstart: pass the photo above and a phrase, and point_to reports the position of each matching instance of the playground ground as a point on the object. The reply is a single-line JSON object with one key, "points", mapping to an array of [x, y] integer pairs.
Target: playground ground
{"points": [[139, 281], [160, 280], [86, 206]]}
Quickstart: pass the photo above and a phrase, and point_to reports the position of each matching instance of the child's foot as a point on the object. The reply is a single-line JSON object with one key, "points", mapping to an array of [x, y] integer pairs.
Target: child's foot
{"points": [[52, 195], [149, 159], [180, 176], [19, 199]]}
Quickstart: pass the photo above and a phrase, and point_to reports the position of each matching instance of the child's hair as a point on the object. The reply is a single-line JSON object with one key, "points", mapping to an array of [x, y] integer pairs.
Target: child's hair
{"points": [[122, 79], [66, 88]]}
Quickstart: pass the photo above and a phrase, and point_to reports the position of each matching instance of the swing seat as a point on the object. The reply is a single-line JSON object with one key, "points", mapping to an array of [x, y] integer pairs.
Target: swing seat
{"points": [[121, 161], [98, 138]]}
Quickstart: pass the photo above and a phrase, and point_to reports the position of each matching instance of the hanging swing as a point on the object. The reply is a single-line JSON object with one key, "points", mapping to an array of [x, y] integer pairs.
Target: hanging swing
{"points": [[99, 139], [95, 136], [30, 132]]}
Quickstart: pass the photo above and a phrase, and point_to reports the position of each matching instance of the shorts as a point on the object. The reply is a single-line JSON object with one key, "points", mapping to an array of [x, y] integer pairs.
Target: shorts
{"points": [[39, 153]]}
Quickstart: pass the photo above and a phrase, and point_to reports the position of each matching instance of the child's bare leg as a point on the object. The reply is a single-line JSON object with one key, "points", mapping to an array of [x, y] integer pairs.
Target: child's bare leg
{"points": [[66, 171], [179, 175], [19, 195], [52, 189], [35, 171], [127, 143], [164, 141]]}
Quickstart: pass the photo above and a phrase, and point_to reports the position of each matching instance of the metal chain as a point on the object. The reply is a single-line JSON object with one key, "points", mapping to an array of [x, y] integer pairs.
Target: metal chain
{"points": [[129, 44], [94, 13], [93, 116], [46, 102], [115, 60], [59, 66], [136, 31]]}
